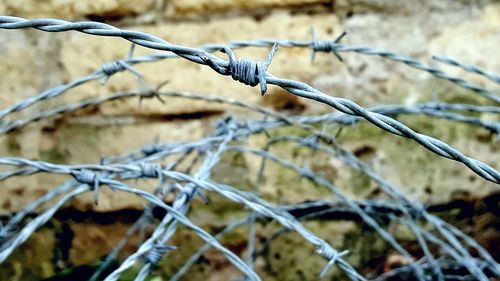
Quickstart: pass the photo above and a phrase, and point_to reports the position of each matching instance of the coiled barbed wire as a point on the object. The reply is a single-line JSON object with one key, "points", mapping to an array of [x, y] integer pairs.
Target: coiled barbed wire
{"points": [[113, 170], [88, 176], [141, 167]]}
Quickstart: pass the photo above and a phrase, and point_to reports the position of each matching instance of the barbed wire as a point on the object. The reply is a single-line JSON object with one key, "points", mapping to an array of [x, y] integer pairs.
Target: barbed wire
{"points": [[230, 135], [435, 109], [468, 67], [84, 174], [249, 72], [176, 145], [113, 67]]}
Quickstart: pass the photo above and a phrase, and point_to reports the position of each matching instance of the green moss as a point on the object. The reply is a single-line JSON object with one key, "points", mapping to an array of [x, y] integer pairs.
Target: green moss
{"points": [[54, 156], [359, 183], [13, 145], [232, 170]]}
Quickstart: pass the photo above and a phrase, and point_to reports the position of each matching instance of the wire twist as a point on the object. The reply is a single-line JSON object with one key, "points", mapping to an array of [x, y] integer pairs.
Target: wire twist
{"points": [[156, 253], [325, 46], [245, 71], [91, 179], [468, 67], [331, 255]]}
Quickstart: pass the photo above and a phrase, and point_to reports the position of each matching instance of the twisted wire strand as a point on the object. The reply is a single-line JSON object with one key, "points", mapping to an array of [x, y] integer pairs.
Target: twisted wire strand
{"points": [[294, 87], [108, 69], [469, 264], [334, 47], [308, 174], [420, 66], [182, 202], [351, 160], [394, 192], [20, 123], [468, 67], [233, 258], [492, 126], [48, 94], [402, 204]]}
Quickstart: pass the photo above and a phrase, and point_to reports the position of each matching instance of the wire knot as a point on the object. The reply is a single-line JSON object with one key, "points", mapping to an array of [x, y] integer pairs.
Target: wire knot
{"points": [[245, 71], [331, 255], [91, 179], [250, 72], [323, 46], [150, 93], [225, 125], [153, 170], [87, 177], [113, 67], [154, 255], [326, 46], [150, 170], [116, 66]]}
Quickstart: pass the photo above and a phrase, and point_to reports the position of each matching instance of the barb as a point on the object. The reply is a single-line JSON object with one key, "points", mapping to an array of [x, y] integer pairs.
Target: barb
{"points": [[243, 70], [91, 179], [325, 46]]}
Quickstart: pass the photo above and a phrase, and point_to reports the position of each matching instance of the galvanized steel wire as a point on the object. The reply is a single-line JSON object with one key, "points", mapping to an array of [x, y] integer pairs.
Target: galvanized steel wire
{"points": [[229, 135]]}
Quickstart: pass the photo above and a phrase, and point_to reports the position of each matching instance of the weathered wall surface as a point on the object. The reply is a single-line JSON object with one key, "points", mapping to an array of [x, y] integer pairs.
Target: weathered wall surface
{"points": [[33, 61]]}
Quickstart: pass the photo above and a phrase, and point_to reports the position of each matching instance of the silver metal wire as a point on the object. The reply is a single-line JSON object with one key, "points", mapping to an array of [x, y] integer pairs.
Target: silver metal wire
{"points": [[230, 135]]}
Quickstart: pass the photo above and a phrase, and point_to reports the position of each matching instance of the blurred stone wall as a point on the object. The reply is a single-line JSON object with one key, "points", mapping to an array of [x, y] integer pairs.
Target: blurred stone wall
{"points": [[32, 61]]}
